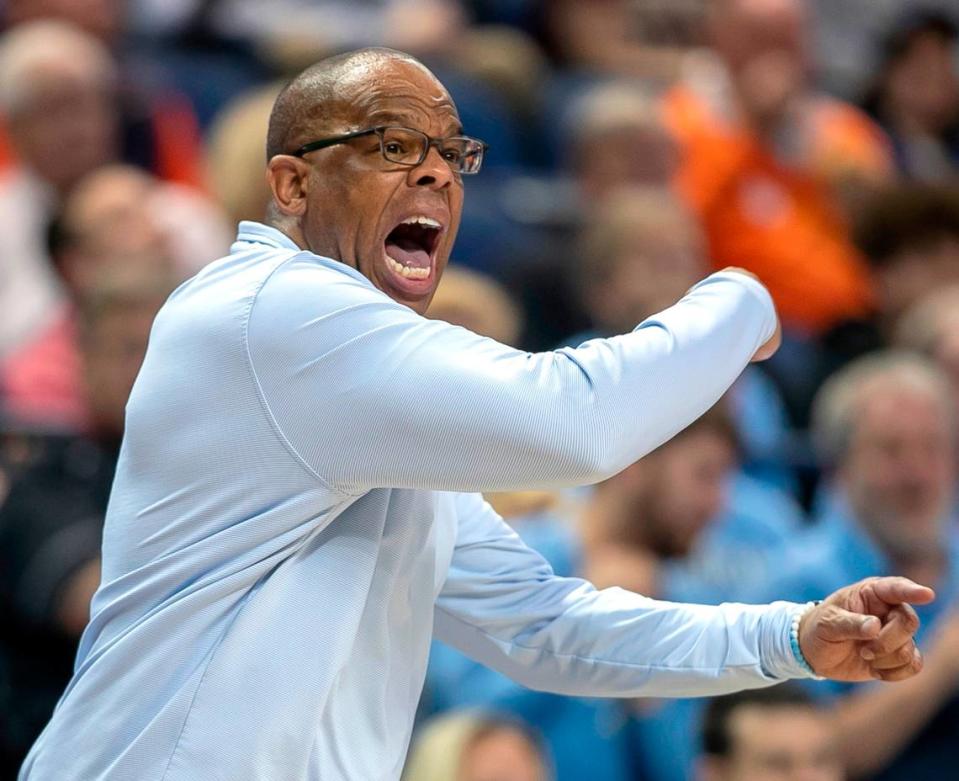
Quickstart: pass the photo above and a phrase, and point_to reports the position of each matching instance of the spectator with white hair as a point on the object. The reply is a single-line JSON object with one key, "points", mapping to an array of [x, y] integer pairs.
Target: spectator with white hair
{"points": [[67, 109], [886, 424], [61, 121]]}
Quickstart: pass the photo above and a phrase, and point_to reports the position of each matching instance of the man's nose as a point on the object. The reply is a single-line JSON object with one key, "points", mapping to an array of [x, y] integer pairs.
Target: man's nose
{"points": [[434, 172]]}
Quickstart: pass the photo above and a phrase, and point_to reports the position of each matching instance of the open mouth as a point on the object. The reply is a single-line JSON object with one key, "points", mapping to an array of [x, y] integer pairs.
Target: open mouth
{"points": [[410, 246]]}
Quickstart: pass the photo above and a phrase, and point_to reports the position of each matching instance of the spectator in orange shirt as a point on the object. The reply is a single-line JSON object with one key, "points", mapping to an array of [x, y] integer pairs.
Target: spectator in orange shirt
{"points": [[766, 159]]}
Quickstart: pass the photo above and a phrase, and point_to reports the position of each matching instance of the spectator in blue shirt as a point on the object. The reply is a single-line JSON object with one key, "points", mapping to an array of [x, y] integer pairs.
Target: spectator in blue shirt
{"points": [[886, 423]]}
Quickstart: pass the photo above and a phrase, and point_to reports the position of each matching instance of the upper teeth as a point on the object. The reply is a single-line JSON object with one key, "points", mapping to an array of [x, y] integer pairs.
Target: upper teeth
{"points": [[421, 220]]}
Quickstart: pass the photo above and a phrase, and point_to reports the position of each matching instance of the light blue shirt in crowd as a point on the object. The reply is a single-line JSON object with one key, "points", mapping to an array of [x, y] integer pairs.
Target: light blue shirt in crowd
{"points": [[294, 516]]}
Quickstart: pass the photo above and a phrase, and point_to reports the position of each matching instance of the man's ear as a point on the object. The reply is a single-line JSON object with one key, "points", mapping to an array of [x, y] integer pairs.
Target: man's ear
{"points": [[288, 177]]}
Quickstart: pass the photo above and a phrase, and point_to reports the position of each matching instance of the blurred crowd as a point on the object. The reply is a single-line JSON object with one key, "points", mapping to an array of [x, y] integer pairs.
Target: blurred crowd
{"points": [[635, 145]]}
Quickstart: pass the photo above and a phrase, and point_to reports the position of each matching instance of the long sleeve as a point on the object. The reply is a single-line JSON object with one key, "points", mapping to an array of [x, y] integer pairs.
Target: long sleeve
{"points": [[369, 394], [502, 606]]}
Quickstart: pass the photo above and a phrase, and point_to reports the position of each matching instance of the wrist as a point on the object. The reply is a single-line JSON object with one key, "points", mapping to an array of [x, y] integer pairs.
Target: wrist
{"points": [[797, 623]]}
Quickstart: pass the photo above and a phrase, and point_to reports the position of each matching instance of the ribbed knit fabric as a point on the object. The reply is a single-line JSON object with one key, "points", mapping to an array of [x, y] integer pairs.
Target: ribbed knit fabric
{"points": [[292, 509]]}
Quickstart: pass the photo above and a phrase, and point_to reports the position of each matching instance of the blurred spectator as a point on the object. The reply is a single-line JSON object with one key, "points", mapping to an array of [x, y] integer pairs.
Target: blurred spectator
{"points": [[164, 95], [298, 32], [775, 734], [477, 302], [637, 255], [63, 118], [624, 38], [915, 96], [910, 234], [120, 209], [234, 156], [116, 217], [765, 159], [55, 85], [472, 747], [509, 61], [684, 526], [931, 327], [104, 19], [845, 35], [57, 94], [887, 425], [617, 138], [157, 126], [50, 522], [654, 512], [610, 136]]}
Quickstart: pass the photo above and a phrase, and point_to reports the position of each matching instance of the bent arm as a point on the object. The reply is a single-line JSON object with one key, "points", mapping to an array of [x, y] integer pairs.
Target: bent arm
{"points": [[370, 394], [502, 606]]}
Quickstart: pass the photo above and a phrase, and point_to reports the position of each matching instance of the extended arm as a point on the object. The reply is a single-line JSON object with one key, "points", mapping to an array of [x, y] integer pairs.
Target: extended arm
{"points": [[502, 605], [369, 394]]}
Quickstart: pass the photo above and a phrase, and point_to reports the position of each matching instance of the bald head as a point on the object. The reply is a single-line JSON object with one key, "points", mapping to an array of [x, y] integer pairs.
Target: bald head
{"points": [[324, 92]]}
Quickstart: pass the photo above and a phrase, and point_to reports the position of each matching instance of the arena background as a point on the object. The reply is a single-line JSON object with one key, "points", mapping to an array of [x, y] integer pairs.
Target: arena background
{"points": [[635, 145]]}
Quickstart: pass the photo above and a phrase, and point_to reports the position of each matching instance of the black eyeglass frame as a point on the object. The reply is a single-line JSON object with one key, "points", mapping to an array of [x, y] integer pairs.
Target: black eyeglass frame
{"points": [[323, 143]]}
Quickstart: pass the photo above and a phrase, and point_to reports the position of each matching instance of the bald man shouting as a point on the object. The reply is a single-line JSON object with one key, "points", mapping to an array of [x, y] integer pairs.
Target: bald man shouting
{"points": [[296, 507]]}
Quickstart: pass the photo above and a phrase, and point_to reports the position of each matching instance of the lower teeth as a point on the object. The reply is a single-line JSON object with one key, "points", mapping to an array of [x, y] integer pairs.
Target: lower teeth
{"points": [[408, 272]]}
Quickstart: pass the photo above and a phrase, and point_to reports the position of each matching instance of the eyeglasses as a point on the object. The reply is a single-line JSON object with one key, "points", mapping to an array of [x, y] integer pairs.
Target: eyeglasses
{"points": [[406, 146]]}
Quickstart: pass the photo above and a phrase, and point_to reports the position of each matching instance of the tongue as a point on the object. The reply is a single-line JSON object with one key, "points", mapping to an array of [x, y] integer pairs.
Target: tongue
{"points": [[408, 253]]}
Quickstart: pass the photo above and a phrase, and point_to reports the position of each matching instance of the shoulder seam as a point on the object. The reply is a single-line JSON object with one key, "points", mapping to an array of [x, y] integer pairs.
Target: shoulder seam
{"points": [[261, 396]]}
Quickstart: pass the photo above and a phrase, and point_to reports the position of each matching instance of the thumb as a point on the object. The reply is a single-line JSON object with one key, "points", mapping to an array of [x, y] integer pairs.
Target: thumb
{"points": [[836, 624]]}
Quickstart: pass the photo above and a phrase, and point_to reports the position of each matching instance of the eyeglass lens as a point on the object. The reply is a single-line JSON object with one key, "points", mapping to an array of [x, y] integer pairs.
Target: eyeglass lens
{"points": [[409, 147]]}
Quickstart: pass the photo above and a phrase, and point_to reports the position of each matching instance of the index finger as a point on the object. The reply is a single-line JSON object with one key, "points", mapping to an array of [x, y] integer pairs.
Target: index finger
{"points": [[896, 590]]}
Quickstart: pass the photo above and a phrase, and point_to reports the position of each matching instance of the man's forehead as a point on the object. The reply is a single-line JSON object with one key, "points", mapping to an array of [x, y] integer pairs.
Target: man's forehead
{"points": [[401, 93]]}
